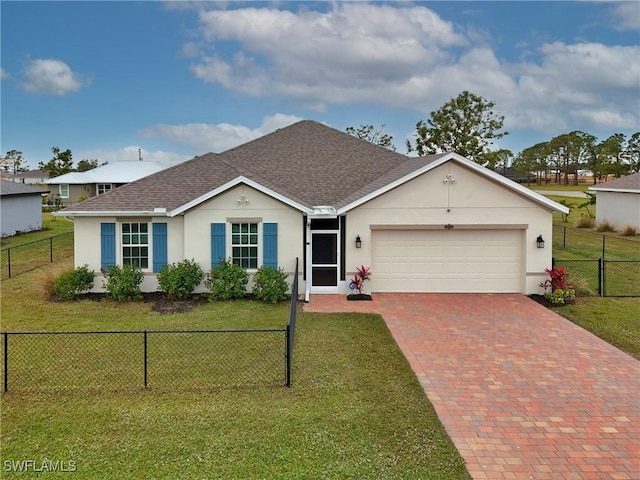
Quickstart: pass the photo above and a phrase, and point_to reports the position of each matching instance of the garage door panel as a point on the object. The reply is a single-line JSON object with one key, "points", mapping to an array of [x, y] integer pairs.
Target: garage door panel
{"points": [[447, 261]]}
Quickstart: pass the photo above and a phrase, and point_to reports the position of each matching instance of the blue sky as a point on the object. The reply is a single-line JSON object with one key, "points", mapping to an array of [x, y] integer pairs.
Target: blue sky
{"points": [[179, 79]]}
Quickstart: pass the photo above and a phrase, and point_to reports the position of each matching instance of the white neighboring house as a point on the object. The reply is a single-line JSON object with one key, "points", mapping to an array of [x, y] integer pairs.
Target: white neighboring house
{"points": [[20, 208], [67, 189], [619, 201], [32, 177], [439, 223]]}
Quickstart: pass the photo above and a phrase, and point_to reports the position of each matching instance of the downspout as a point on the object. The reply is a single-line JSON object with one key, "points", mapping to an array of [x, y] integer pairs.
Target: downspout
{"points": [[307, 283]]}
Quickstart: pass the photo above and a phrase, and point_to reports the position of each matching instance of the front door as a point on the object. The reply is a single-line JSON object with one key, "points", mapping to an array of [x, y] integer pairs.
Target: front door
{"points": [[324, 260]]}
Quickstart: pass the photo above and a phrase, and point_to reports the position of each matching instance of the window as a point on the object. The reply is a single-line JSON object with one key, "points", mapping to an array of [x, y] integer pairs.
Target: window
{"points": [[244, 244], [135, 244], [103, 188], [64, 190]]}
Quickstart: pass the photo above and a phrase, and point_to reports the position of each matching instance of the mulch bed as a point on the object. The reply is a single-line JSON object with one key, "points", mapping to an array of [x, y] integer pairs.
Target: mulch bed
{"points": [[161, 304]]}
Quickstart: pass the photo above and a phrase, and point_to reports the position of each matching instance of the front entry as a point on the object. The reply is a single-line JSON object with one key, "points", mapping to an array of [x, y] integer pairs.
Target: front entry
{"points": [[325, 255]]}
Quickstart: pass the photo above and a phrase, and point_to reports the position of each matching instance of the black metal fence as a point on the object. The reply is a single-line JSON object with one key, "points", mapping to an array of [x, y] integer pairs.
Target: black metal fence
{"points": [[606, 278], [158, 359], [31, 255], [177, 359], [595, 244], [291, 325]]}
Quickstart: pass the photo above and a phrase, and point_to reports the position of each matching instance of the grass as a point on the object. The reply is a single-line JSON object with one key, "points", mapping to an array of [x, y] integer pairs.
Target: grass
{"points": [[31, 250], [615, 320], [355, 409]]}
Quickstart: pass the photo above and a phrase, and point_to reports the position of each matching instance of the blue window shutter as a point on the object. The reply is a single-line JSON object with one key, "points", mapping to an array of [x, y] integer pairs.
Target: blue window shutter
{"points": [[159, 246], [218, 244], [107, 245], [270, 245]]}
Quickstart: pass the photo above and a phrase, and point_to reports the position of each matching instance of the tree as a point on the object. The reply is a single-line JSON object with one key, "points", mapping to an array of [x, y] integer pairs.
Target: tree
{"points": [[532, 159], [496, 160], [373, 135], [13, 162], [632, 152], [84, 165], [570, 152], [465, 125], [612, 159], [60, 164]]}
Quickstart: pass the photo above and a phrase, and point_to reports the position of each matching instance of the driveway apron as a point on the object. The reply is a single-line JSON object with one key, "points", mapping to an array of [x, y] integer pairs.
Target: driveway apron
{"points": [[523, 392]]}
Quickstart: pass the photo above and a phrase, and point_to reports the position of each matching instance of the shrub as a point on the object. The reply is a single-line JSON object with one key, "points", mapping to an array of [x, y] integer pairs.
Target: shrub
{"points": [[362, 274], [178, 280], [72, 282], [561, 296], [629, 231], [585, 222], [123, 283], [227, 281], [604, 226], [270, 285], [556, 289]]}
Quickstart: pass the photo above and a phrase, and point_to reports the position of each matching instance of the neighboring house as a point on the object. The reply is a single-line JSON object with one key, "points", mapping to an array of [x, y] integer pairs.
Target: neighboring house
{"points": [[439, 223], [618, 201], [32, 177], [71, 187], [20, 208]]}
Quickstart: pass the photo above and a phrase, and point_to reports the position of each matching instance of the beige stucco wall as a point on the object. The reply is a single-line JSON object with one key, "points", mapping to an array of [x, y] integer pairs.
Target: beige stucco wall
{"points": [[471, 201], [189, 235], [231, 205], [619, 209]]}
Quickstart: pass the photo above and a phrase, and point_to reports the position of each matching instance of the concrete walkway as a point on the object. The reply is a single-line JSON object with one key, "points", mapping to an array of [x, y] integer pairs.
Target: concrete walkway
{"points": [[523, 393]]}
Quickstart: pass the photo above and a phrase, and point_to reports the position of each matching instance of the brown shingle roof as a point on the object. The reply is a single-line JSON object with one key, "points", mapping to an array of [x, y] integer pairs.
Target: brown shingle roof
{"points": [[307, 162], [628, 182]]}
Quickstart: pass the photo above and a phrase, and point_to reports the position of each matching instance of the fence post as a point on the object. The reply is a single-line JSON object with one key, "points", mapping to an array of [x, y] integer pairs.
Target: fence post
{"points": [[564, 237], [604, 239], [9, 261], [145, 359], [6, 361], [602, 274], [287, 344]]}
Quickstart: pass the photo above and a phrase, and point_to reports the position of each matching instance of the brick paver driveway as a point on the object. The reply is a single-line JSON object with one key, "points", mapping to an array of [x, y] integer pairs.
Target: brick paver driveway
{"points": [[522, 392]]}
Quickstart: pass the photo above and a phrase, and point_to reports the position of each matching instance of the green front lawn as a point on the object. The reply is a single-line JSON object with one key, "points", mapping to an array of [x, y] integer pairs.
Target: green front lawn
{"points": [[615, 320], [355, 409]]}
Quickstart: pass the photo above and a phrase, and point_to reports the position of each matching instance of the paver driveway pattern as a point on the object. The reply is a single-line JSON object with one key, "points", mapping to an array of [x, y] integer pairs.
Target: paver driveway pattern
{"points": [[523, 392]]}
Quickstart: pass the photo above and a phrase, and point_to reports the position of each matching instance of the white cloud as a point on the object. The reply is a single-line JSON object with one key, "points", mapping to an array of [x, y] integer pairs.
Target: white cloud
{"points": [[130, 153], [407, 57], [625, 16], [3, 74], [51, 77], [206, 137]]}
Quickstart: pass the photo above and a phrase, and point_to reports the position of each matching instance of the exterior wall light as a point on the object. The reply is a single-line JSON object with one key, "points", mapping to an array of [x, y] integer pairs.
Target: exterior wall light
{"points": [[358, 241], [540, 241]]}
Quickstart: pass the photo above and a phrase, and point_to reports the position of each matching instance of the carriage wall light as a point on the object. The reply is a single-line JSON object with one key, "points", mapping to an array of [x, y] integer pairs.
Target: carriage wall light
{"points": [[540, 241], [358, 241]]}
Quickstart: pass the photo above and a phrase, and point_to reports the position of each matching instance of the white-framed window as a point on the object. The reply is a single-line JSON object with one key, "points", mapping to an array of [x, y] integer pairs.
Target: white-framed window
{"points": [[102, 188], [64, 190], [135, 244], [244, 244]]}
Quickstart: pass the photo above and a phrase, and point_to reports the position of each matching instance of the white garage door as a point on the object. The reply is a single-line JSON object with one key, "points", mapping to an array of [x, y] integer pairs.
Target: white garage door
{"points": [[447, 261]]}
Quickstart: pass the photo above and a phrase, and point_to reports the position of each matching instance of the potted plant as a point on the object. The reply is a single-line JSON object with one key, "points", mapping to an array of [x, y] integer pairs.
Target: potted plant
{"points": [[357, 284]]}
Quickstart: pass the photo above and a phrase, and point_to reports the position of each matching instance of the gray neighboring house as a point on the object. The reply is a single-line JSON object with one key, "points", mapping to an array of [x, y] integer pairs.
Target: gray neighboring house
{"points": [[32, 177], [20, 208], [619, 201], [69, 188]]}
